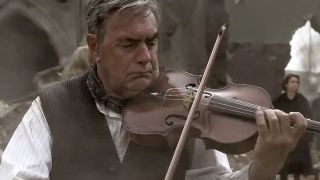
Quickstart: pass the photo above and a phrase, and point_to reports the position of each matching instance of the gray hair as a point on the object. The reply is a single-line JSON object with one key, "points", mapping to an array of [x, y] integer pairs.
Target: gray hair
{"points": [[100, 10]]}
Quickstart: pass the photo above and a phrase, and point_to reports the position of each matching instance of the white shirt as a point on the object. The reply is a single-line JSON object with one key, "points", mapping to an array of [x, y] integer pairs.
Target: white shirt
{"points": [[28, 154]]}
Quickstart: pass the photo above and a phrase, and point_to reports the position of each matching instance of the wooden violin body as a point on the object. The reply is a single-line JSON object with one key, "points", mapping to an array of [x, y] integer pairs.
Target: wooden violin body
{"points": [[225, 118]]}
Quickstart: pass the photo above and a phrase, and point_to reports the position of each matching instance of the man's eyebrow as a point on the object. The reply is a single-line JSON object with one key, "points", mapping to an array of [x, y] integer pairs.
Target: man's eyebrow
{"points": [[127, 39], [131, 39], [155, 36]]}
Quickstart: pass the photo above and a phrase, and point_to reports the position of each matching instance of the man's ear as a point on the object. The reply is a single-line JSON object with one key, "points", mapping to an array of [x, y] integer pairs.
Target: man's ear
{"points": [[93, 47]]}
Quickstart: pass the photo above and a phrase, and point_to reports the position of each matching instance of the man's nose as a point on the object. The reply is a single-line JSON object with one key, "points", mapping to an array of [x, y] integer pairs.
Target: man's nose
{"points": [[144, 55]]}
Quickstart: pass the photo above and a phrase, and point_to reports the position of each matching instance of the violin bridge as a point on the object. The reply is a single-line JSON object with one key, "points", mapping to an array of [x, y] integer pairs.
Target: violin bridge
{"points": [[188, 99]]}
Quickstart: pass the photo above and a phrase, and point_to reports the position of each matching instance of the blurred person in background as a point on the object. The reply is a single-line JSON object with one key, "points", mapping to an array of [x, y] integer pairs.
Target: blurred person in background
{"points": [[78, 64], [299, 161]]}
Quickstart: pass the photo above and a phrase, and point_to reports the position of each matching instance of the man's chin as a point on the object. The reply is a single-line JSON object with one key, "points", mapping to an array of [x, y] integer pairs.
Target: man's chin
{"points": [[141, 87], [137, 88]]}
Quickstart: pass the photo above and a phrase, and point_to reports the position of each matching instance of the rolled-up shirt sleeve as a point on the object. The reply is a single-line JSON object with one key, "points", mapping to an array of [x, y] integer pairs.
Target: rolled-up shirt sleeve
{"points": [[28, 153], [217, 173], [212, 165]]}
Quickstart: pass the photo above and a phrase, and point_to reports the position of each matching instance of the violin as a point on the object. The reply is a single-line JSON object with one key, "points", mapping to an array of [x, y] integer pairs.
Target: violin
{"points": [[224, 120], [178, 106]]}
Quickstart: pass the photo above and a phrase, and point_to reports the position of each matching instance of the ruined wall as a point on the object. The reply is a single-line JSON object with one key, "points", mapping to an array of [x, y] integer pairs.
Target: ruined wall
{"points": [[35, 35], [62, 21]]}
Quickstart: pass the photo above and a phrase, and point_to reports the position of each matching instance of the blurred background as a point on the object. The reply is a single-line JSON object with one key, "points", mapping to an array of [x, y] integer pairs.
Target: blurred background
{"points": [[43, 41]]}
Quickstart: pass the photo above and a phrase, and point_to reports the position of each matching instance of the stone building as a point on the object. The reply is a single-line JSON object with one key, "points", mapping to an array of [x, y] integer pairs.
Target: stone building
{"points": [[35, 35]]}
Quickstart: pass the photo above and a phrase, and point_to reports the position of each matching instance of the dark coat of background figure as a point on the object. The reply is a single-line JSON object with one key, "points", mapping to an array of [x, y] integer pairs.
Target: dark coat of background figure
{"points": [[316, 109], [299, 160]]}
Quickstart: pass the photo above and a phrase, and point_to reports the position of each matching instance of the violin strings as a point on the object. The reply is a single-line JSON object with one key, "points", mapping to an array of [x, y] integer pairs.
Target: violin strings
{"points": [[234, 101], [313, 125], [237, 106], [231, 106], [235, 110], [224, 105], [224, 100], [215, 97], [239, 111]]}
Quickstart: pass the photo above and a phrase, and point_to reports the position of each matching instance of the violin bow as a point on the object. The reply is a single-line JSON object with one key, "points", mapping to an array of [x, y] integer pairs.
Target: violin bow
{"points": [[194, 107]]}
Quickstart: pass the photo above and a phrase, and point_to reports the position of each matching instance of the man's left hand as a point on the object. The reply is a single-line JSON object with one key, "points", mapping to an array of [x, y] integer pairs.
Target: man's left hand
{"points": [[279, 134]]}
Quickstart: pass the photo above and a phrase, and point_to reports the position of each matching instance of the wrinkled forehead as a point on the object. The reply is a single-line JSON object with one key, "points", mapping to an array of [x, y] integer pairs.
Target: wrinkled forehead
{"points": [[139, 26]]}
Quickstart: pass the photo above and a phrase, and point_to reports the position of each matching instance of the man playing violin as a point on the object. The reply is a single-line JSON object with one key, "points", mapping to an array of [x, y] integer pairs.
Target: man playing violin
{"points": [[73, 130]]}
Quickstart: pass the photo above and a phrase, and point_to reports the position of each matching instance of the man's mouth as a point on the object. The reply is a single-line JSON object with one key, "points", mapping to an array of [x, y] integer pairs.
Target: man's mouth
{"points": [[147, 75]]}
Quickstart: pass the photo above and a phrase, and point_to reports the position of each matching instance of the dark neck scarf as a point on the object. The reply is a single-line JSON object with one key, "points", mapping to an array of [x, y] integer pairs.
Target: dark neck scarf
{"points": [[98, 92]]}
